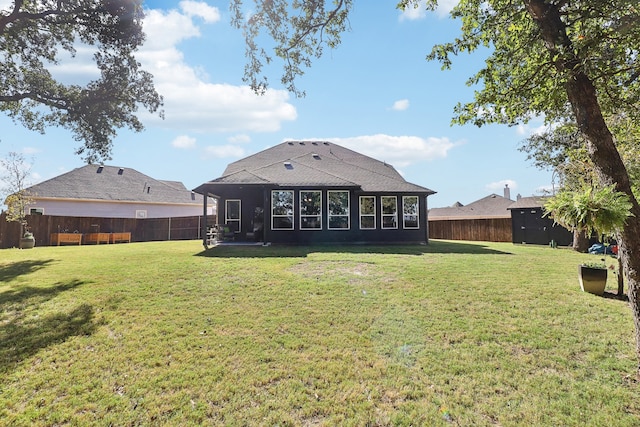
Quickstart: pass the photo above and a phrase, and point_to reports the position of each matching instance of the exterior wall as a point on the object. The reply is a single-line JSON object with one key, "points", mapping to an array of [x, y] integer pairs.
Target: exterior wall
{"points": [[530, 227], [255, 197], [116, 210]]}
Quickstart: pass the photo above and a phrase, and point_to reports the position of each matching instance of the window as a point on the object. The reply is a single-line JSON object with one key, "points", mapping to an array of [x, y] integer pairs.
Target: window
{"points": [[367, 212], [282, 210], [311, 210], [232, 214], [389, 211], [410, 212], [338, 209]]}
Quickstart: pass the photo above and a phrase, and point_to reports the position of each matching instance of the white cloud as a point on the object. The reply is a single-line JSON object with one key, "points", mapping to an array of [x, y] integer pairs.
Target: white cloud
{"points": [[200, 9], [498, 186], [399, 151], [239, 139], [190, 103], [400, 105], [420, 12], [184, 141], [225, 151], [30, 150]]}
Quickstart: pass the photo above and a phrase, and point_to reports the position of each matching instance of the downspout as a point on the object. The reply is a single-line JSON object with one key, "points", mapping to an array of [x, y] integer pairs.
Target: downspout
{"points": [[203, 225]]}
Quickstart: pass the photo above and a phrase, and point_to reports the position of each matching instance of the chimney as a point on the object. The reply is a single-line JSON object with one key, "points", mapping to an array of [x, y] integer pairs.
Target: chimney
{"points": [[507, 192]]}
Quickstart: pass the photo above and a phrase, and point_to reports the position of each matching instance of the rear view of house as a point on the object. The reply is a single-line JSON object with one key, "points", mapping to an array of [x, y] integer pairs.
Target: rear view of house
{"points": [[304, 192]]}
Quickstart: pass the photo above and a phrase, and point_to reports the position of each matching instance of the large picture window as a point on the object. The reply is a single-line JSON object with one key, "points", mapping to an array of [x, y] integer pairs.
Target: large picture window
{"points": [[338, 209], [389, 211], [310, 210], [232, 214], [410, 212], [282, 210], [367, 212]]}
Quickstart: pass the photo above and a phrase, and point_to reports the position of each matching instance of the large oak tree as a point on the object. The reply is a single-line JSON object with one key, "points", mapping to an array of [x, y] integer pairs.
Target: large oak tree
{"points": [[35, 35], [557, 59]]}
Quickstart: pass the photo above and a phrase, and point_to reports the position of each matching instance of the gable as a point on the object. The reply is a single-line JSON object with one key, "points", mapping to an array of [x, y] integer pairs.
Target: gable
{"points": [[110, 183], [316, 163]]}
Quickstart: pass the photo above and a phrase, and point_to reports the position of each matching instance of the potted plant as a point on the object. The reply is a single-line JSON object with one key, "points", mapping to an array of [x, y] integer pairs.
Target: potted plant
{"points": [[591, 210], [27, 241], [593, 277]]}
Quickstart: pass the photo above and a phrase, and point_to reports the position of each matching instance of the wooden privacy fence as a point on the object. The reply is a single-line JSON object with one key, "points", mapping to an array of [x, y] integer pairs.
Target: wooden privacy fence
{"points": [[485, 230], [142, 230]]}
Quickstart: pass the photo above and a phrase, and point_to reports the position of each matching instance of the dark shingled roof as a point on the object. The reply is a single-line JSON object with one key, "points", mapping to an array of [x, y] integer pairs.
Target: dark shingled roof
{"points": [[112, 183], [315, 163], [529, 202], [492, 206]]}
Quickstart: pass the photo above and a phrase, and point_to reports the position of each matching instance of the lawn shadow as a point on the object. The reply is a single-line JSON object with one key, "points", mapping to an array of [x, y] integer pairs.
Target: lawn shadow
{"points": [[615, 296], [278, 251], [23, 332], [16, 269]]}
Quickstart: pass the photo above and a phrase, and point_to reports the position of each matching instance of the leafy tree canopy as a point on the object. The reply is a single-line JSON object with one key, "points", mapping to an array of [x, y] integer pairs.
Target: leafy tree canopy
{"points": [[34, 34]]}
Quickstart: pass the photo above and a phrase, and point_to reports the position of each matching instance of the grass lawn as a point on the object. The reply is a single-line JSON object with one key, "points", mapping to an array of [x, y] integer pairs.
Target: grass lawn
{"points": [[454, 333]]}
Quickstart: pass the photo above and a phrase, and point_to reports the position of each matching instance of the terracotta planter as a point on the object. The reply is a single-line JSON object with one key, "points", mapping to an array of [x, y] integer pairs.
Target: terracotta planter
{"points": [[592, 280]]}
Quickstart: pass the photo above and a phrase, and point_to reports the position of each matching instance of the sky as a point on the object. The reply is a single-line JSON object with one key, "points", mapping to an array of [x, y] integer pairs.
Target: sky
{"points": [[375, 94]]}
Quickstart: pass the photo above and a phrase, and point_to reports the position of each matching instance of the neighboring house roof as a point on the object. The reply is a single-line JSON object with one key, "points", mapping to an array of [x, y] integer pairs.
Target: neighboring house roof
{"points": [[315, 163], [529, 202], [491, 206], [112, 183]]}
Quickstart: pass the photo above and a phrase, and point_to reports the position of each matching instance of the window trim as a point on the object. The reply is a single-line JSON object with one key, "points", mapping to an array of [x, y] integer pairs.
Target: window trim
{"points": [[372, 215], [318, 215], [291, 215], [347, 215], [417, 214], [229, 220], [384, 215]]}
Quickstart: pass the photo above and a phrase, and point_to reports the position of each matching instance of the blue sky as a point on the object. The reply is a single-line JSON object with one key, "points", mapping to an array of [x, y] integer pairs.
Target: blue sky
{"points": [[375, 94]]}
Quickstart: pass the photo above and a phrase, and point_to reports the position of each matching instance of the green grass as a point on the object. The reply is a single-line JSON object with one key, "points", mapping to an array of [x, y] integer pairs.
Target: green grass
{"points": [[454, 333]]}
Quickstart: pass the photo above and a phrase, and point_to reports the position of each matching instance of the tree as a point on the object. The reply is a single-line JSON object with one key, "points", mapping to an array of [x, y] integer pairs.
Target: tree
{"points": [[573, 60], [16, 172], [33, 34]]}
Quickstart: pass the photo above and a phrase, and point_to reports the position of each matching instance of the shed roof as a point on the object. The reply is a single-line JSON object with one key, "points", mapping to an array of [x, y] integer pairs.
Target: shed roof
{"points": [[529, 202], [113, 183], [315, 163]]}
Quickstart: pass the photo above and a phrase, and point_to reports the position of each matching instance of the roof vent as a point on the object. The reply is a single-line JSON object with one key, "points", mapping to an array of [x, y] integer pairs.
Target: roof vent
{"points": [[314, 143], [301, 143], [290, 143], [288, 165], [316, 156], [120, 171], [325, 143]]}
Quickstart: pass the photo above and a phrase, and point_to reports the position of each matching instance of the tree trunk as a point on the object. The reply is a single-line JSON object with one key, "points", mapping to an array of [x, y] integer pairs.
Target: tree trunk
{"points": [[580, 241], [620, 277], [600, 144]]}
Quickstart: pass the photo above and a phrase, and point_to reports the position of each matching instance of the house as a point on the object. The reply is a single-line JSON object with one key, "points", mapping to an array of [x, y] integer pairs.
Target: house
{"points": [[305, 192], [486, 219], [113, 192], [530, 225]]}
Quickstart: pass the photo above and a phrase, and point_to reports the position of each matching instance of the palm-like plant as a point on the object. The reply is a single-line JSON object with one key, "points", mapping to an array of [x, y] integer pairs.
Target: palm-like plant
{"points": [[601, 210]]}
